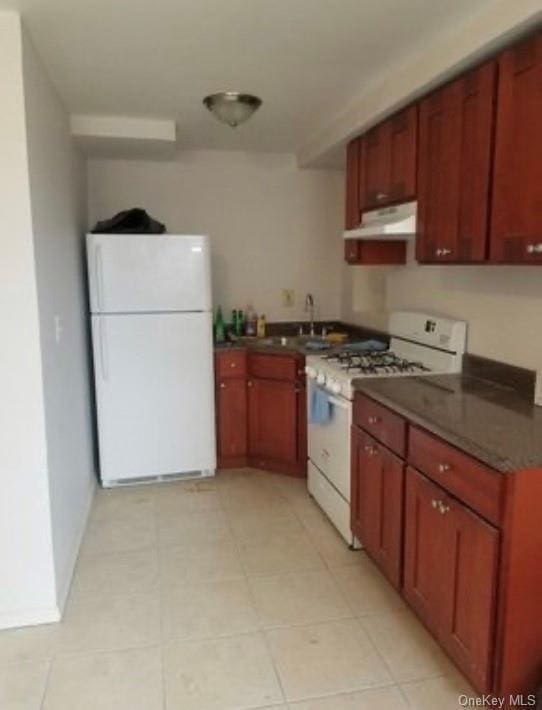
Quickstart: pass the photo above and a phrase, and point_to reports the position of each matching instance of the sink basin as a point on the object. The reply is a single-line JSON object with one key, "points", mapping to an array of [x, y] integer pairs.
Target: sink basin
{"points": [[292, 341]]}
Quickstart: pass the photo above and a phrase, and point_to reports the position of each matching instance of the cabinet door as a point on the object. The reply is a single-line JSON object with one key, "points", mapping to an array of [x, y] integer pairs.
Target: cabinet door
{"points": [[438, 177], [376, 502], [273, 430], [375, 167], [516, 233], [456, 129], [390, 533], [232, 418], [426, 575], [403, 134], [471, 596], [352, 207]]}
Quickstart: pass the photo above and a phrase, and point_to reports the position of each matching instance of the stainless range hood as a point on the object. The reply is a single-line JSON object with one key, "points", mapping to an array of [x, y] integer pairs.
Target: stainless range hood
{"points": [[397, 222]]}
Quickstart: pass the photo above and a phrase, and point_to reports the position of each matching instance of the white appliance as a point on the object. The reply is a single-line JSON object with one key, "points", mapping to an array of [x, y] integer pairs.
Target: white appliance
{"points": [[151, 313], [395, 222], [420, 345]]}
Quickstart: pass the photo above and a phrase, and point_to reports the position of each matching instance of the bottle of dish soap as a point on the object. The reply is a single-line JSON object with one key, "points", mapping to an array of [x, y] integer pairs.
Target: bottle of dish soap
{"points": [[251, 322], [220, 334], [260, 329]]}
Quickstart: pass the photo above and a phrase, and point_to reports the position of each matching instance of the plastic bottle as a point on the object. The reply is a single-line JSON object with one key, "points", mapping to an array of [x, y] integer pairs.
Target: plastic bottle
{"points": [[251, 323], [260, 328], [219, 326], [240, 323]]}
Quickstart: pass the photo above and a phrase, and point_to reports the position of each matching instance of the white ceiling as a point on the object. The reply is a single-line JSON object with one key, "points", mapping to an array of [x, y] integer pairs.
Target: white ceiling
{"points": [[158, 58]]}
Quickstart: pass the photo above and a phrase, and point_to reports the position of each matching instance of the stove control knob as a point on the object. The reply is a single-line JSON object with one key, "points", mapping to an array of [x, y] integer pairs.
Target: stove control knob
{"points": [[321, 378], [311, 372]]}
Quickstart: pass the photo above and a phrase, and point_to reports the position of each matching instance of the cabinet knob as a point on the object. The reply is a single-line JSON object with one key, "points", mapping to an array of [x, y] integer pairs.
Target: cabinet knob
{"points": [[222, 385], [371, 450], [446, 252], [534, 248], [249, 383], [233, 364], [381, 195], [435, 503], [443, 509], [373, 420], [443, 467]]}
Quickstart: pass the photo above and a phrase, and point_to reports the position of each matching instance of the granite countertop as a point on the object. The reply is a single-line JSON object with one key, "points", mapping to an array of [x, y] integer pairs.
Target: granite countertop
{"points": [[491, 422]]}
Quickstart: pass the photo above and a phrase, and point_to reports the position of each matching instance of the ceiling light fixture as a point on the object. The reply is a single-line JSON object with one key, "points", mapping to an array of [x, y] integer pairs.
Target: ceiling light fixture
{"points": [[232, 107]]}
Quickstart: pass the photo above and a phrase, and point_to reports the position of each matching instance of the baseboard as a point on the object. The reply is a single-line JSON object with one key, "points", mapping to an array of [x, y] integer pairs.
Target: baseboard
{"points": [[64, 590], [29, 617]]}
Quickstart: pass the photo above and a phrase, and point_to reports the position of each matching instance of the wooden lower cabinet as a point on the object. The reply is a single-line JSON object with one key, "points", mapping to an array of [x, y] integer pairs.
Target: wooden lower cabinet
{"points": [[450, 575], [262, 420], [231, 404], [272, 432], [377, 502]]}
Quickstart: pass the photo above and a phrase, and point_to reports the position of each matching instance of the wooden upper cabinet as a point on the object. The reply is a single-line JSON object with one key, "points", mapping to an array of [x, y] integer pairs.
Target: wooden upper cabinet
{"points": [[388, 161], [352, 207], [516, 233], [454, 168]]}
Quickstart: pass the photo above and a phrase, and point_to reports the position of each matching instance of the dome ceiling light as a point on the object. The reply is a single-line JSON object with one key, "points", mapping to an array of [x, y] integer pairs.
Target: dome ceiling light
{"points": [[232, 107]]}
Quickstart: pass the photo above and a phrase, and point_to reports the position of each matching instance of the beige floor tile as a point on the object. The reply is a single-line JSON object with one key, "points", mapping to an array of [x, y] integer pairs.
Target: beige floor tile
{"points": [[22, 686], [251, 495], [193, 529], [409, 650], [375, 699], [100, 625], [225, 674], [332, 546], [127, 530], [442, 693], [280, 552], [30, 644], [258, 524], [200, 563], [208, 610], [116, 575], [298, 598], [110, 502], [290, 487], [366, 589], [326, 659], [122, 680], [183, 499]]}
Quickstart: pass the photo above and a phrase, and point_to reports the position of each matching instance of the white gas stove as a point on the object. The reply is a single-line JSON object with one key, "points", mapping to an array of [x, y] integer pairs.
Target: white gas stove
{"points": [[420, 345]]}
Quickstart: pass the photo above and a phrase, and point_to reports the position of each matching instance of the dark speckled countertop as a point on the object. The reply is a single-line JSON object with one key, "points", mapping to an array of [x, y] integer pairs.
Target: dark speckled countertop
{"points": [[487, 420]]}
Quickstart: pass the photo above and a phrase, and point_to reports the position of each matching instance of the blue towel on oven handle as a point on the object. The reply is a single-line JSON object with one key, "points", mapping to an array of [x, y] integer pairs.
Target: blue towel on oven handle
{"points": [[320, 407]]}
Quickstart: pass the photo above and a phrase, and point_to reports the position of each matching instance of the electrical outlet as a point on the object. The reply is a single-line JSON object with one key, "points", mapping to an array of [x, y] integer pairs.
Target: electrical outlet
{"points": [[59, 328], [288, 297]]}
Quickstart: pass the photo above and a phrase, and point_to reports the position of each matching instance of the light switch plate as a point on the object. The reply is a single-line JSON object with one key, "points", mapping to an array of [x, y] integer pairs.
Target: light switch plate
{"points": [[288, 297]]}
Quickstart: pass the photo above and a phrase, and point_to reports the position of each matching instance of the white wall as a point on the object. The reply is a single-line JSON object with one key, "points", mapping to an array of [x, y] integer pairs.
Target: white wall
{"points": [[58, 200], [502, 304], [27, 590], [272, 225]]}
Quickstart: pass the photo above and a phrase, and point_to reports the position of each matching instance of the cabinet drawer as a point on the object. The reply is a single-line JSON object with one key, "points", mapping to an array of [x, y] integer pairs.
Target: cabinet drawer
{"points": [[231, 364], [274, 367], [476, 485], [383, 424]]}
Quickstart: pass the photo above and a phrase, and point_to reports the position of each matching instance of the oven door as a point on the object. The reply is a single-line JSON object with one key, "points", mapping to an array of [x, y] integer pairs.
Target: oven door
{"points": [[329, 444]]}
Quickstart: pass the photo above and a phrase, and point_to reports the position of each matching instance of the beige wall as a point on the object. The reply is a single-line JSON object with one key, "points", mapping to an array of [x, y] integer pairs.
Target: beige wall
{"points": [[272, 225], [57, 174], [502, 304]]}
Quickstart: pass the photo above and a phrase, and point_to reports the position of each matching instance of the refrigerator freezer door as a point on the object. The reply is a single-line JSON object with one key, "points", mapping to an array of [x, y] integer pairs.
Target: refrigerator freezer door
{"points": [[155, 394], [142, 273]]}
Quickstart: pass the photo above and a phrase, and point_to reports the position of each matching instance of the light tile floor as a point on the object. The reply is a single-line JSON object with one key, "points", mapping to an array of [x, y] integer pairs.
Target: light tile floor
{"points": [[225, 594]]}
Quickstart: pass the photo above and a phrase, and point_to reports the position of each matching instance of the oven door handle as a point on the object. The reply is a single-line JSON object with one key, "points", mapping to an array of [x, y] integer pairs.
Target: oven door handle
{"points": [[339, 402]]}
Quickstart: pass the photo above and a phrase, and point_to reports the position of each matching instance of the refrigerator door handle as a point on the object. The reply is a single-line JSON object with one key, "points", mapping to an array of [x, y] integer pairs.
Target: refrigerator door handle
{"points": [[99, 276], [103, 348]]}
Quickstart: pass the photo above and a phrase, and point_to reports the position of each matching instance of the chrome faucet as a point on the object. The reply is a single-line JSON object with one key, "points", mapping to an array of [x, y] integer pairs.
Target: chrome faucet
{"points": [[309, 308]]}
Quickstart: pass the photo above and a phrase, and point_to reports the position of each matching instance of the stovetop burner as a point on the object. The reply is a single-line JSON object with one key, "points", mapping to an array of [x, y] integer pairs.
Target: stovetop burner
{"points": [[385, 362]]}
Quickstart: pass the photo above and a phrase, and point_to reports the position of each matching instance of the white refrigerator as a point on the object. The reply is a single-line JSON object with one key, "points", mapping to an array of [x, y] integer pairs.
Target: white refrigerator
{"points": [[151, 312]]}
